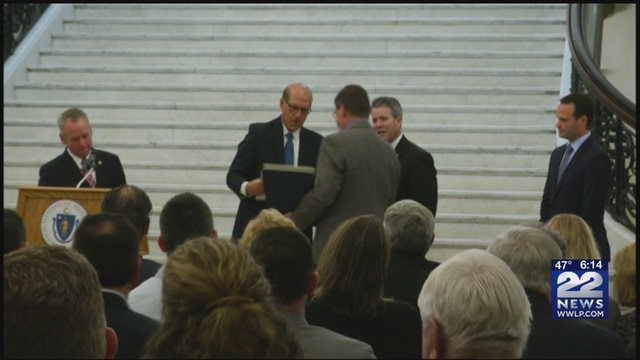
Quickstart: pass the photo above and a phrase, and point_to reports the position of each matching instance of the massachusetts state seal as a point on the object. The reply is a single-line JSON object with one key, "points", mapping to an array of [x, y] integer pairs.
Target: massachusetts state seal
{"points": [[60, 222]]}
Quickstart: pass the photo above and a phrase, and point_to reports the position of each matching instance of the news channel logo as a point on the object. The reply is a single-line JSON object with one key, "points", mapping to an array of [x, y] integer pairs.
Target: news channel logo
{"points": [[580, 289]]}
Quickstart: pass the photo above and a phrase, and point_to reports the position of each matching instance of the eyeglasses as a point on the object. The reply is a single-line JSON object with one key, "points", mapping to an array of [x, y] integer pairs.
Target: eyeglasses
{"points": [[295, 109]]}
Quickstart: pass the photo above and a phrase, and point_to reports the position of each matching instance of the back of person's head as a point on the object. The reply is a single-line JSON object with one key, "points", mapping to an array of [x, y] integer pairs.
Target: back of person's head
{"points": [[624, 281], [52, 305], [183, 217], [355, 100], [390, 102], [110, 242], [583, 105], [577, 234], [553, 234], [528, 252], [353, 266], [409, 226], [15, 234], [286, 257], [266, 219], [478, 305], [131, 201], [216, 304]]}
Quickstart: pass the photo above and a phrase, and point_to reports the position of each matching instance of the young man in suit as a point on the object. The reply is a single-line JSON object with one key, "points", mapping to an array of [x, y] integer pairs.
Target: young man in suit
{"points": [[265, 143], [418, 179], [66, 170], [357, 171], [584, 186], [110, 242]]}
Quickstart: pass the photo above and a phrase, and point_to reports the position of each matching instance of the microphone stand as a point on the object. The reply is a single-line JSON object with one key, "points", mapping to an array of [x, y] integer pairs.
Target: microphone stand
{"points": [[86, 176]]}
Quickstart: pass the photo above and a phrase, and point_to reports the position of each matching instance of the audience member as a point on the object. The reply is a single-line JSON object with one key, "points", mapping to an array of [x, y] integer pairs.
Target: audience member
{"points": [[357, 171], [136, 205], [418, 176], [266, 219], [409, 226], [52, 307], [68, 168], [624, 291], [473, 307], [216, 304], [285, 254], [552, 233], [350, 298], [15, 234], [265, 143], [529, 252], [111, 244], [583, 188], [183, 217], [582, 245], [577, 234]]}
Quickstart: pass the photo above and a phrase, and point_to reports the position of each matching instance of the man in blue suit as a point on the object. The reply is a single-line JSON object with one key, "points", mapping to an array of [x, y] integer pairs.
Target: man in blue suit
{"points": [[264, 143], [584, 186]]}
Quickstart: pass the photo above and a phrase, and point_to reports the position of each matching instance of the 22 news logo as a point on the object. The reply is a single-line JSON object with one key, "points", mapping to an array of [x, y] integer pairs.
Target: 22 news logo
{"points": [[580, 289]]}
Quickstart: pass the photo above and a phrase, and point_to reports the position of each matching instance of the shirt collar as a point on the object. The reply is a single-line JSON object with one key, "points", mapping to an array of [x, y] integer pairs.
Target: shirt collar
{"points": [[77, 160], [579, 141], [395, 142]]}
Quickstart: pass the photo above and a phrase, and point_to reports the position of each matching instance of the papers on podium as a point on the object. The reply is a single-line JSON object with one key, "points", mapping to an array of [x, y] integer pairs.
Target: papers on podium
{"points": [[286, 185]]}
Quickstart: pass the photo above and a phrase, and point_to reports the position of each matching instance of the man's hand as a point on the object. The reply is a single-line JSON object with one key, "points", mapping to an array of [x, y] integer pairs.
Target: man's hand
{"points": [[255, 187]]}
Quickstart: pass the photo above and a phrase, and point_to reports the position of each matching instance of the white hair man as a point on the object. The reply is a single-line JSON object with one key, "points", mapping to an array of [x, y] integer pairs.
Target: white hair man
{"points": [[473, 306], [528, 252]]}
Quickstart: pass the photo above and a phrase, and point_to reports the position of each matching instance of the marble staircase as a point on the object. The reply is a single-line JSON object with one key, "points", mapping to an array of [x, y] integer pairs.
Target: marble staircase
{"points": [[172, 89]]}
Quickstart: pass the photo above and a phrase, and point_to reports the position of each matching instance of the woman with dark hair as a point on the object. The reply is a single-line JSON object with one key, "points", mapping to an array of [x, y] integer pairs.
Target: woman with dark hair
{"points": [[350, 301], [217, 304]]}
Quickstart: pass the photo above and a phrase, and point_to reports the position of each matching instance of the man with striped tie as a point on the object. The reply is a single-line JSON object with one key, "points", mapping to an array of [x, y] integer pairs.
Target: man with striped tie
{"points": [[70, 167]]}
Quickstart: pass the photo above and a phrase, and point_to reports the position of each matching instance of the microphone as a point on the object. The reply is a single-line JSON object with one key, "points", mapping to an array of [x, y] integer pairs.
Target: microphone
{"points": [[89, 163]]}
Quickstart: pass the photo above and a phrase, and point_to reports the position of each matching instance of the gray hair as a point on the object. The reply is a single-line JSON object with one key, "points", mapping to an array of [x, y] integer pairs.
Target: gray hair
{"points": [[480, 305], [390, 102], [553, 233], [528, 252], [409, 226]]}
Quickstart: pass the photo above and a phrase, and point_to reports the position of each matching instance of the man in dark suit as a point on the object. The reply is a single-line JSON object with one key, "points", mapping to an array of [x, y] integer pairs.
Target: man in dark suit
{"points": [[264, 143], [584, 186], [357, 171], [418, 179], [409, 226], [67, 169], [528, 252], [110, 242], [134, 202]]}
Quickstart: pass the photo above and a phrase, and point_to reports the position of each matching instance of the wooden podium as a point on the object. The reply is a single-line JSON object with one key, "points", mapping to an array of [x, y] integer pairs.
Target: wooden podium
{"points": [[40, 206]]}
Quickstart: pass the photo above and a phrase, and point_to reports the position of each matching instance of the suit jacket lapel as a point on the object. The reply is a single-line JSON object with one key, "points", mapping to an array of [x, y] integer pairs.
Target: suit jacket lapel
{"points": [[277, 140], [71, 167]]}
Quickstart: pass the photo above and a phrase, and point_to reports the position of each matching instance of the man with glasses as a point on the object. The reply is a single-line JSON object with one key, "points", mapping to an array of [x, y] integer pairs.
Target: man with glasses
{"points": [[265, 143]]}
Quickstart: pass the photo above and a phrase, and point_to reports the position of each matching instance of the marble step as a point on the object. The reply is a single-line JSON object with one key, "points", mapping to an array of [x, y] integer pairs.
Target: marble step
{"points": [[313, 41], [61, 91], [324, 11], [265, 24], [311, 75], [250, 112], [450, 155], [218, 131], [450, 178]]}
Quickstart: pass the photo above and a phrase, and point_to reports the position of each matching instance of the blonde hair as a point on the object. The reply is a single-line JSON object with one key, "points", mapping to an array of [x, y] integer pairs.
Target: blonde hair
{"points": [[577, 234], [217, 304], [624, 282], [266, 219], [353, 266]]}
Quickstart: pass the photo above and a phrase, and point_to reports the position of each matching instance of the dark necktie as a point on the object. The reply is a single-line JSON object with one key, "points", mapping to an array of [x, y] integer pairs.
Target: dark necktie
{"points": [[90, 180], [565, 161], [288, 150]]}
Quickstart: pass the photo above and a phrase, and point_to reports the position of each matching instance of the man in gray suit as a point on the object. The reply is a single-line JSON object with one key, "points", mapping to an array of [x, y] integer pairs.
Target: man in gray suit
{"points": [[285, 255], [357, 172]]}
